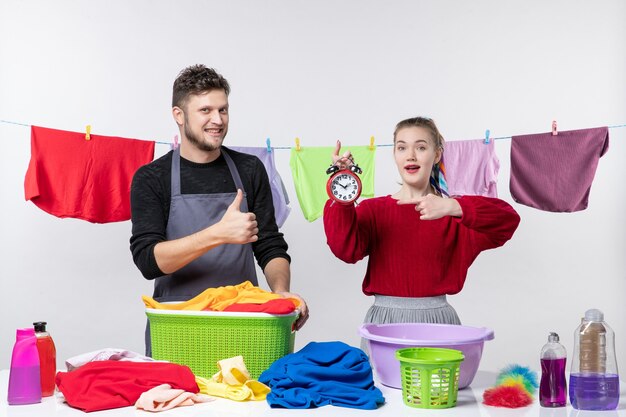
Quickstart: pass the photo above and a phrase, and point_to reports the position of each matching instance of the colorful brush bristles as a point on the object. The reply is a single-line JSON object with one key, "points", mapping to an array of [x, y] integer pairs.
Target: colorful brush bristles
{"points": [[516, 375], [515, 387]]}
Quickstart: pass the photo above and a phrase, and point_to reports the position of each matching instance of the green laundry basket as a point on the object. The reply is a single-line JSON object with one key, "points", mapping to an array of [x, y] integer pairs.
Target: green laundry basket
{"points": [[430, 376], [199, 339]]}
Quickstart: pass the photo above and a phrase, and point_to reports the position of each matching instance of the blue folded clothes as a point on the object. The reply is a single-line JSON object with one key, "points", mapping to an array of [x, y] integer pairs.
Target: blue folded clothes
{"points": [[322, 373]]}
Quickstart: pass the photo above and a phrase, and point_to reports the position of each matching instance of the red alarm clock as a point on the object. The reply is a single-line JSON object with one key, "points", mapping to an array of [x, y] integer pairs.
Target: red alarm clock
{"points": [[344, 185]]}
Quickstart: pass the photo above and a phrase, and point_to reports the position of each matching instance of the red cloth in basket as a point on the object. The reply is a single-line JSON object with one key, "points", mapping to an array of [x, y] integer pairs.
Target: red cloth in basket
{"points": [[277, 306]]}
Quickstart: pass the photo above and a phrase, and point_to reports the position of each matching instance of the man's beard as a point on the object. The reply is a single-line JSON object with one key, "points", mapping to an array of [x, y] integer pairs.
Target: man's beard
{"points": [[198, 142]]}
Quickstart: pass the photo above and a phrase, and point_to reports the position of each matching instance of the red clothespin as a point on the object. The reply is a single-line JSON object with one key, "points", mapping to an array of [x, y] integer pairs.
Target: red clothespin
{"points": [[88, 132], [554, 131]]}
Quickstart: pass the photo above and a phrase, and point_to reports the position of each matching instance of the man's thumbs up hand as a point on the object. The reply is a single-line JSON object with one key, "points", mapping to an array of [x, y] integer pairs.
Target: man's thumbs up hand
{"points": [[236, 204], [238, 227]]}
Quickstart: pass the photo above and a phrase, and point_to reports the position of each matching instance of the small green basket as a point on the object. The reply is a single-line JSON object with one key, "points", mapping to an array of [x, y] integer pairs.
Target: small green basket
{"points": [[199, 339], [430, 376]]}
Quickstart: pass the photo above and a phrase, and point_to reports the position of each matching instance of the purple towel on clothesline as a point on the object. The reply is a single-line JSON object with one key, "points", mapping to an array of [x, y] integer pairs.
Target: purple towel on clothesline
{"points": [[279, 193], [554, 173]]}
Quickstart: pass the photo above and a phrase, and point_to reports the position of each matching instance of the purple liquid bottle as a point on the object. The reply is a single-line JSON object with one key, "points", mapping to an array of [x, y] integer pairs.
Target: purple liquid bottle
{"points": [[594, 380], [594, 392], [553, 385], [24, 382]]}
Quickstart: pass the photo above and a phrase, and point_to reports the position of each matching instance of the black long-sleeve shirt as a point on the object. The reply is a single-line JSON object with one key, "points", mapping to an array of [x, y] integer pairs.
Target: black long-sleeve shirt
{"points": [[151, 192]]}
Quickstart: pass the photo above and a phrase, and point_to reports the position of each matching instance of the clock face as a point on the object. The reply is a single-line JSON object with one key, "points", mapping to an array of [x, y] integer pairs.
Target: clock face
{"points": [[344, 187]]}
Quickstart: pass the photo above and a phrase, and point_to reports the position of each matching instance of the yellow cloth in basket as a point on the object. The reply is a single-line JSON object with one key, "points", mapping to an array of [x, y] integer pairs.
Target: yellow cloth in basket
{"points": [[217, 299]]}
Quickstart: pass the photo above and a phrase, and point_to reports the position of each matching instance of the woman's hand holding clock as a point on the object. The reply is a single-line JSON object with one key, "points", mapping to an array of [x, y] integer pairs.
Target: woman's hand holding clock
{"points": [[343, 161], [344, 185]]}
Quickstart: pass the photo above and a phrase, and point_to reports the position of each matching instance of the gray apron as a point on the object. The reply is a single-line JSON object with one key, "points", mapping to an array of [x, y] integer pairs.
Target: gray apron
{"points": [[228, 264]]}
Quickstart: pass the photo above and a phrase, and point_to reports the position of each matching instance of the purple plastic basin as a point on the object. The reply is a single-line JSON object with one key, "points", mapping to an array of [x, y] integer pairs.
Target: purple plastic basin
{"points": [[384, 339]]}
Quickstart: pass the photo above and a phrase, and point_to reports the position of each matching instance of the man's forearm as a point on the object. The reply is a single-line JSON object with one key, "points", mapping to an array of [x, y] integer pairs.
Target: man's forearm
{"points": [[172, 255], [278, 274]]}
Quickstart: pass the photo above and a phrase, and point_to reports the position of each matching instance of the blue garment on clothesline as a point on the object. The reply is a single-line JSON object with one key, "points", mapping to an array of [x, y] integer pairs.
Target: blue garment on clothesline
{"points": [[322, 373]]}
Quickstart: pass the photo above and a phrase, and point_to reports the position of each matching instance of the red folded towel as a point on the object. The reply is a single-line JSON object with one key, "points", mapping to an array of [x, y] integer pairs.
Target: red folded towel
{"points": [[105, 385]]}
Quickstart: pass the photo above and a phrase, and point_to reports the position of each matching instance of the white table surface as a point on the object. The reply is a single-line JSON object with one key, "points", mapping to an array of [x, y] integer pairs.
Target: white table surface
{"points": [[469, 403]]}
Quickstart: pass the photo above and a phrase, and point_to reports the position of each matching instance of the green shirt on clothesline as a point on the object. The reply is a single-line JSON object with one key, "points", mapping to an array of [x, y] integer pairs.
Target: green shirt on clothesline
{"points": [[308, 167]]}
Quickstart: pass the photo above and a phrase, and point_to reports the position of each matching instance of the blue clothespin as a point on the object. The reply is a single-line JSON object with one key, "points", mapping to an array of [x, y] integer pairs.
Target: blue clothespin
{"points": [[269, 148], [487, 133]]}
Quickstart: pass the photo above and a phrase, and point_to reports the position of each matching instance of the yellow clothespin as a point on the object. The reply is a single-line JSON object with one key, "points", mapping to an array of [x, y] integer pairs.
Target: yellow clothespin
{"points": [[88, 134], [298, 144], [371, 143]]}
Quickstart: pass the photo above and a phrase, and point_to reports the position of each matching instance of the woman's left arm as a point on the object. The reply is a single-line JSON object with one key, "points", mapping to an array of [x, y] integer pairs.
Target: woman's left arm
{"points": [[493, 218]]}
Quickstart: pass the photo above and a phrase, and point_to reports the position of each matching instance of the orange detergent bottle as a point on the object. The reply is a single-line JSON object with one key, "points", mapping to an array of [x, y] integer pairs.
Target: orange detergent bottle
{"points": [[47, 358]]}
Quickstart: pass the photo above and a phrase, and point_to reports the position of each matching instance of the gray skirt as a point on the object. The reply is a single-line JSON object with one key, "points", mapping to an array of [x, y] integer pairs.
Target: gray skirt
{"points": [[387, 309]]}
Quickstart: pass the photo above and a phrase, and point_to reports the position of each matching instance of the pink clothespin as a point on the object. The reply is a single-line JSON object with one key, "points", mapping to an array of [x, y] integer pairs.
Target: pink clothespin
{"points": [[554, 131], [175, 143]]}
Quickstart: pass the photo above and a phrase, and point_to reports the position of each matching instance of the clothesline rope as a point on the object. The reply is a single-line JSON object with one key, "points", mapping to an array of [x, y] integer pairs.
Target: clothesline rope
{"points": [[290, 147]]}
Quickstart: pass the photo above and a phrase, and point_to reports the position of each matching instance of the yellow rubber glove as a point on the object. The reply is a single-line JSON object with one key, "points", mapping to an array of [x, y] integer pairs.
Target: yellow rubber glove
{"points": [[233, 382], [232, 371], [250, 390]]}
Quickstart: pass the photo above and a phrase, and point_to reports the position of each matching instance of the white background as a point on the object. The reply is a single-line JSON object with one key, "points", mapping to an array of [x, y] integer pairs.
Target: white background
{"points": [[319, 70]]}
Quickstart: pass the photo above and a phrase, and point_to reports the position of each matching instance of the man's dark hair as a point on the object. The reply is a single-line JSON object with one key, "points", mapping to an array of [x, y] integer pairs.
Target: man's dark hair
{"points": [[197, 79]]}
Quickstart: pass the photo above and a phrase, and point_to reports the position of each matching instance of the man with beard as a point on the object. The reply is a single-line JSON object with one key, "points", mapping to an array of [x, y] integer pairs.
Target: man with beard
{"points": [[202, 212]]}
